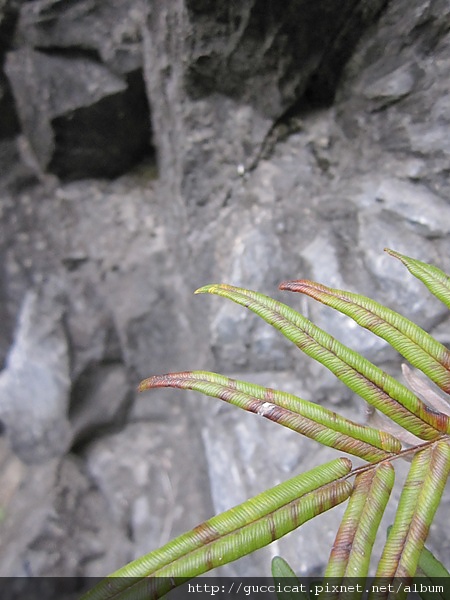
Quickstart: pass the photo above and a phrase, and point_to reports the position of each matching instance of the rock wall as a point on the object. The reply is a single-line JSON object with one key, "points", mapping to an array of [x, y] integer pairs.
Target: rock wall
{"points": [[286, 140]]}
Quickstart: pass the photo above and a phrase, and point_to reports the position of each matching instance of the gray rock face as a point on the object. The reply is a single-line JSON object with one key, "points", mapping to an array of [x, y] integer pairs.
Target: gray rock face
{"points": [[77, 114], [8, 118], [100, 398], [231, 73], [155, 491], [77, 80], [68, 527], [109, 30], [293, 141], [8, 124], [34, 386]]}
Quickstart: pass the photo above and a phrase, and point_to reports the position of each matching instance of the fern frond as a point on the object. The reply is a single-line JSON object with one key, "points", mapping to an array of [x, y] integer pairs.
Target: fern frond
{"points": [[360, 375], [412, 342], [436, 280], [418, 502], [270, 515], [311, 420], [236, 532]]}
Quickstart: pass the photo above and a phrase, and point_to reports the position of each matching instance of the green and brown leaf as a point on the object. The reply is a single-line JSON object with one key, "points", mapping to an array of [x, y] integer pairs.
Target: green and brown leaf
{"points": [[419, 415]]}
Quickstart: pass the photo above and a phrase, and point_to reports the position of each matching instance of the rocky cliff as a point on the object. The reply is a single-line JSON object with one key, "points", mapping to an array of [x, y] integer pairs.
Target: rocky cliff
{"points": [[150, 147]]}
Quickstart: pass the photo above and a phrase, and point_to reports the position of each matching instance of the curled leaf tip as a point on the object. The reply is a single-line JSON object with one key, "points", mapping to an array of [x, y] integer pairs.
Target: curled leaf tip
{"points": [[146, 384], [211, 288], [346, 462], [287, 285], [297, 285], [165, 380], [153, 382], [203, 290]]}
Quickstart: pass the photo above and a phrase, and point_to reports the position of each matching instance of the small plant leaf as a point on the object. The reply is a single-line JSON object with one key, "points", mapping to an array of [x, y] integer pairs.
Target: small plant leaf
{"points": [[430, 566], [282, 571], [280, 568], [350, 556], [417, 346], [436, 280], [418, 502], [230, 535], [431, 571], [307, 418], [429, 590], [365, 379]]}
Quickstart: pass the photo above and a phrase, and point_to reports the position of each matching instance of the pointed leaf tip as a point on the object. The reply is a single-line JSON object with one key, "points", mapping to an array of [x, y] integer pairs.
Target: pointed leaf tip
{"points": [[402, 257], [396, 254], [433, 278]]}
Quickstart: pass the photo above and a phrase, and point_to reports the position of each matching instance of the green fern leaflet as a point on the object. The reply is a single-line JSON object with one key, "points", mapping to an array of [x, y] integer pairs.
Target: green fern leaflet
{"points": [[417, 428]]}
